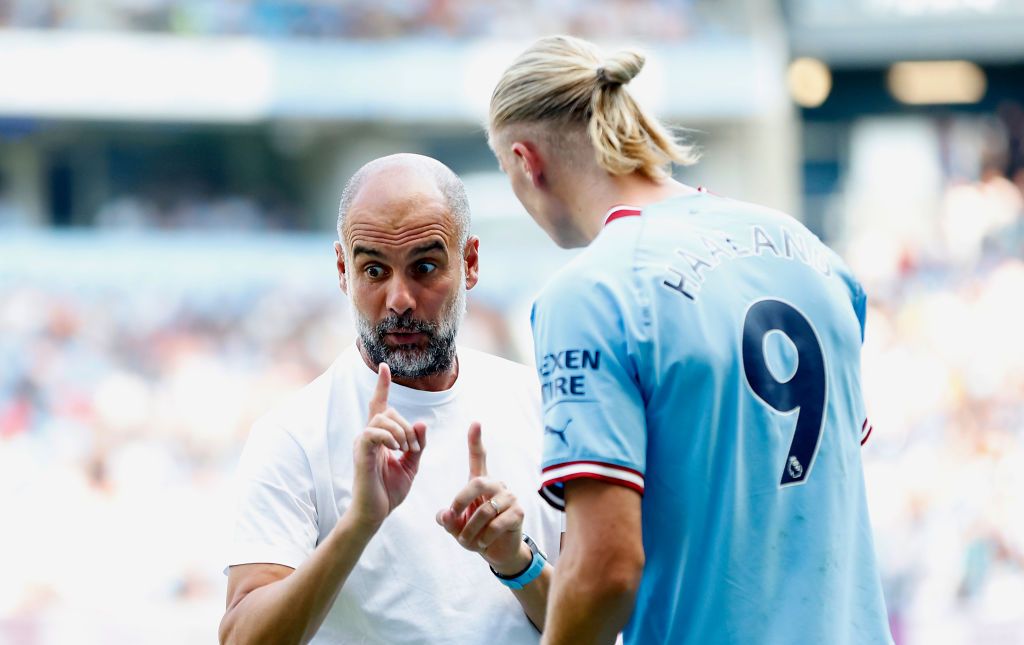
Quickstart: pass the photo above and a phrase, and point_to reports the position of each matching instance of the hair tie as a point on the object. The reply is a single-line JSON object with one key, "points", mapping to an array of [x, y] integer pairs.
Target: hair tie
{"points": [[602, 76]]}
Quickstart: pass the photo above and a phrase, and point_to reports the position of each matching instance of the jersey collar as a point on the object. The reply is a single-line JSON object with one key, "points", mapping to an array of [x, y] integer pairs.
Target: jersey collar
{"points": [[620, 211], [624, 210]]}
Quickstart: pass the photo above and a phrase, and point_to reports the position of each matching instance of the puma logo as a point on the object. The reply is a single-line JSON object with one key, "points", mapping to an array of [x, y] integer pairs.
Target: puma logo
{"points": [[559, 432]]}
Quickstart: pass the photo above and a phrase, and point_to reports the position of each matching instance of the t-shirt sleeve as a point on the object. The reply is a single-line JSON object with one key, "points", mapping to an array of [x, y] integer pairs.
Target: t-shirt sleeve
{"points": [[275, 517], [594, 417]]}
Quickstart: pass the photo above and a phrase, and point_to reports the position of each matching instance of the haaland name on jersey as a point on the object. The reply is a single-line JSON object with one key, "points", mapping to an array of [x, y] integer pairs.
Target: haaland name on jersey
{"points": [[720, 246]]}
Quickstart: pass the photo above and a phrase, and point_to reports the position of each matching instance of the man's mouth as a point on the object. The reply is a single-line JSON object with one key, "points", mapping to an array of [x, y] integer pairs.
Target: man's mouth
{"points": [[405, 338]]}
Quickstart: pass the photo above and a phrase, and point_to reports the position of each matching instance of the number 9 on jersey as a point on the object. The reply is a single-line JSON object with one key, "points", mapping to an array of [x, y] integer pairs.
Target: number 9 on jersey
{"points": [[805, 391]]}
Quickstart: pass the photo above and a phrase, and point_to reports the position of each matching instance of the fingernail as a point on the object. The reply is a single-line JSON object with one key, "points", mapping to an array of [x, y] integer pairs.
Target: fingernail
{"points": [[415, 446], [480, 544]]}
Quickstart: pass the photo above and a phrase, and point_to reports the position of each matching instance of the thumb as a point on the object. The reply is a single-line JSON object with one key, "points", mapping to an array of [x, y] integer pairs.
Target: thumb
{"points": [[477, 454], [379, 400]]}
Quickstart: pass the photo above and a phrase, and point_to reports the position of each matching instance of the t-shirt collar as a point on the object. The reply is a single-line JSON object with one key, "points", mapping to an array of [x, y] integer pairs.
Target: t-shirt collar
{"points": [[401, 394]]}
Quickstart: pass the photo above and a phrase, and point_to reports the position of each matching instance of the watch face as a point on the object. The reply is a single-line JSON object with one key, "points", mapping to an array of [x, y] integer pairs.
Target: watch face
{"points": [[533, 546]]}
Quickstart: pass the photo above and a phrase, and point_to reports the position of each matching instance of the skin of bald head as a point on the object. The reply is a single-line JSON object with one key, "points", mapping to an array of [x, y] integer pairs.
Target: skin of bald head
{"points": [[405, 256]]}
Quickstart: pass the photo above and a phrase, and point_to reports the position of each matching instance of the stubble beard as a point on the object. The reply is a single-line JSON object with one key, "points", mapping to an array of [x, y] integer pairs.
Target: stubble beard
{"points": [[413, 361]]}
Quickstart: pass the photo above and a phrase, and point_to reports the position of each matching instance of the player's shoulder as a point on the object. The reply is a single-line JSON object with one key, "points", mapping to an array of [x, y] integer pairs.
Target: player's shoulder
{"points": [[603, 267], [771, 217], [772, 221], [746, 212], [300, 413]]}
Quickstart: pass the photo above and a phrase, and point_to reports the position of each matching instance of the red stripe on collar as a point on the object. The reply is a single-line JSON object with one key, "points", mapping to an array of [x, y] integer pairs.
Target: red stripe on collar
{"points": [[622, 210], [618, 212]]}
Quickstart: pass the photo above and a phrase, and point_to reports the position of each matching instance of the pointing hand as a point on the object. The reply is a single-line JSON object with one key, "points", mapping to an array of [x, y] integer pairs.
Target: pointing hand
{"points": [[485, 516], [383, 478]]}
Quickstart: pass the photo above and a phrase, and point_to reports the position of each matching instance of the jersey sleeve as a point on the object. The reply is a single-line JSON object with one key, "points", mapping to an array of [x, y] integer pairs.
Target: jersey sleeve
{"points": [[275, 517], [859, 302], [594, 417], [860, 307], [858, 298]]}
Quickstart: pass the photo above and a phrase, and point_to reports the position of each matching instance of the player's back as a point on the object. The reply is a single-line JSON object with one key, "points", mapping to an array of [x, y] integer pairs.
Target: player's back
{"points": [[747, 354]]}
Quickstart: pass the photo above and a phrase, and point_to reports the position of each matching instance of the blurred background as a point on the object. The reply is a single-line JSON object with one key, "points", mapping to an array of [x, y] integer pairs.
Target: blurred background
{"points": [[169, 173]]}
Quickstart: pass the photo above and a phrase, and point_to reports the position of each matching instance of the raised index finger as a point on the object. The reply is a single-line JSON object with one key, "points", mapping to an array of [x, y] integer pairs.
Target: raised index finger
{"points": [[379, 400], [477, 454]]}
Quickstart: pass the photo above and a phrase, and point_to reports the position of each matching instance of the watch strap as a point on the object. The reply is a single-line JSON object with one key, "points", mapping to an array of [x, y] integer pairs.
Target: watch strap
{"points": [[528, 575]]}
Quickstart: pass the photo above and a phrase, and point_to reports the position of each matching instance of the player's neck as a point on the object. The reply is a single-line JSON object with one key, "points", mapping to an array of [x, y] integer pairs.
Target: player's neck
{"points": [[591, 206]]}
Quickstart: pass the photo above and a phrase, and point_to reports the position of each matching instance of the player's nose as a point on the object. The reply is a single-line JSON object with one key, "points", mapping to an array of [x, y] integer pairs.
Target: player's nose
{"points": [[400, 297]]}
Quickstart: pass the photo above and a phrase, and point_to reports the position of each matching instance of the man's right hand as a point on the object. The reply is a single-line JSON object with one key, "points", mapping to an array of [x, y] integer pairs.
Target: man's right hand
{"points": [[382, 478]]}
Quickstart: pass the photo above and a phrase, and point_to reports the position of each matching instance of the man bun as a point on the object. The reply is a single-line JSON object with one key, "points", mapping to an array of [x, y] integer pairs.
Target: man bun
{"points": [[620, 68]]}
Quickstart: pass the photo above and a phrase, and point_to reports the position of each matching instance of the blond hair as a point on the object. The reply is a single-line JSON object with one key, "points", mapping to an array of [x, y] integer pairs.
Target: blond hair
{"points": [[562, 80]]}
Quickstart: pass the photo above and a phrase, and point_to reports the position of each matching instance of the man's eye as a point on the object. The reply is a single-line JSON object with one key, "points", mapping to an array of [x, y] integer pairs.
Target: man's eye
{"points": [[424, 268], [374, 271]]}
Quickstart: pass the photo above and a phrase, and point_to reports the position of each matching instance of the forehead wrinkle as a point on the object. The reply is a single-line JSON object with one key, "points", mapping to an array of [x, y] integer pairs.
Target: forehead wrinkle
{"points": [[395, 233], [404, 239]]}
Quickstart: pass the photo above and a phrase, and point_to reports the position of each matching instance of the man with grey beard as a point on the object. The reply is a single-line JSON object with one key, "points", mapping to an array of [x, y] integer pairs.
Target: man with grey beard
{"points": [[336, 537]]}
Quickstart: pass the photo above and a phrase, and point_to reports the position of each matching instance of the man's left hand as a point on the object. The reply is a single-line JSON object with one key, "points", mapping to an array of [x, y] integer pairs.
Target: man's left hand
{"points": [[485, 516]]}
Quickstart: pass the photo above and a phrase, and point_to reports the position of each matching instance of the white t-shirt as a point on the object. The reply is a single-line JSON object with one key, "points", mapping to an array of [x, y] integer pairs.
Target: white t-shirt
{"points": [[413, 583]]}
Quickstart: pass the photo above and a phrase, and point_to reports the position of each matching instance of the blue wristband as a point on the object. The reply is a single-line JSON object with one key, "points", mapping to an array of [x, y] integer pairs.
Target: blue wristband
{"points": [[530, 574]]}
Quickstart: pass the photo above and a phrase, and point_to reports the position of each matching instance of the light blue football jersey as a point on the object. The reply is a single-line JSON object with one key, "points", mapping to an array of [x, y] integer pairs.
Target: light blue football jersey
{"points": [[707, 354]]}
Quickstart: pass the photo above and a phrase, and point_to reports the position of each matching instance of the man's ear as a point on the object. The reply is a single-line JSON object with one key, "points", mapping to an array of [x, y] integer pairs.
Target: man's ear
{"points": [[339, 254], [529, 161], [471, 256]]}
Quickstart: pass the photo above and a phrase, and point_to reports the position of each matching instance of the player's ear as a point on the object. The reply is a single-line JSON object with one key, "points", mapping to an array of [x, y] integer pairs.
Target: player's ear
{"points": [[339, 254], [528, 161], [471, 256]]}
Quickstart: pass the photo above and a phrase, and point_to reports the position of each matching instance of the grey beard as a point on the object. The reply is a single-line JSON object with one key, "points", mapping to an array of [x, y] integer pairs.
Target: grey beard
{"points": [[412, 361]]}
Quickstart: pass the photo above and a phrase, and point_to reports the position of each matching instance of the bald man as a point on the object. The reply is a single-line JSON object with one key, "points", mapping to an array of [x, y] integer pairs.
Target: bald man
{"points": [[336, 535]]}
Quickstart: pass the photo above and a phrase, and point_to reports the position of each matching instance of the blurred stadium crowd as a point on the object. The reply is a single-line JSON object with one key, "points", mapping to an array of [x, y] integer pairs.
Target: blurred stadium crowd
{"points": [[944, 380], [946, 461], [359, 19], [133, 212], [123, 409]]}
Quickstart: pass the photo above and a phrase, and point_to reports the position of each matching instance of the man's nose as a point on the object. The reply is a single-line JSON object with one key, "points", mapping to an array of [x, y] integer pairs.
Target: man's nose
{"points": [[400, 297]]}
